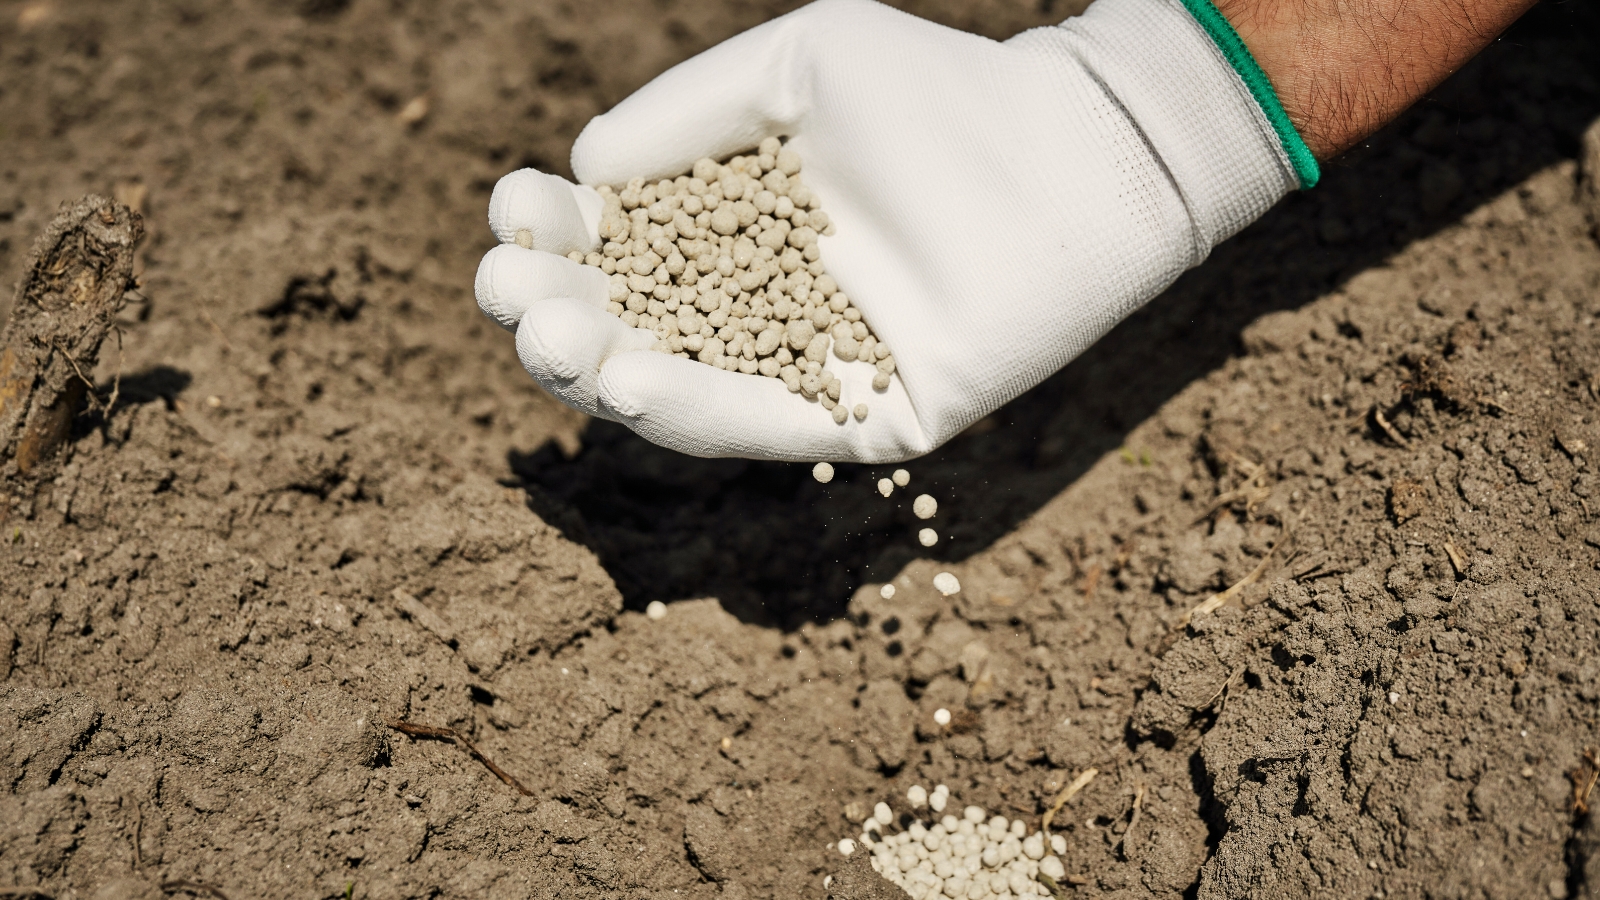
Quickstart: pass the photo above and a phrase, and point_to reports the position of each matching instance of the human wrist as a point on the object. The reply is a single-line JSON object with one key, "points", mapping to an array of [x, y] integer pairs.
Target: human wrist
{"points": [[1342, 69]]}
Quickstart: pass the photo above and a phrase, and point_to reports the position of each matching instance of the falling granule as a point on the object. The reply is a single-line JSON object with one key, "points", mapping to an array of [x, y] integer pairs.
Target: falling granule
{"points": [[656, 610], [901, 477], [946, 584], [822, 472], [924, 506], [885, 486], [941, 716], [972, 856], [886, 592], [928, 537]]}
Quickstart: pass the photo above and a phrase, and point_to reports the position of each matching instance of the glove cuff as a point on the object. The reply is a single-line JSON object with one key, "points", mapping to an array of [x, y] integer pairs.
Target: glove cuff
{"points": [[1205, 124], [1233, 49]]}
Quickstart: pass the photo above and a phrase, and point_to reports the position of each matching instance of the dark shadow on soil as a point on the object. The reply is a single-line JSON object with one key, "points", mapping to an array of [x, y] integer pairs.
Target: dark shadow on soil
{"points": [[163, 383], [779, 549]]}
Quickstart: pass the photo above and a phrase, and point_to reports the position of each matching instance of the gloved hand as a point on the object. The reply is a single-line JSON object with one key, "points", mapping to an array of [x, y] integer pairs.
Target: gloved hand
{"points": [[999, 207]]}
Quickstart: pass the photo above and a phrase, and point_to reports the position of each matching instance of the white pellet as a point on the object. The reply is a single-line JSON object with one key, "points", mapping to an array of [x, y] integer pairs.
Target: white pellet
{"points": [[927, 537], [924, 506], [822, 472], [937, 801], [882, 813], [974, 814], [917, 796], [901, 477], [946, 584], [847, 846], [1033, 846], [860, 412], [886, 592], [1052, 867], [885, 486], [1058, 844], [941, 716]]}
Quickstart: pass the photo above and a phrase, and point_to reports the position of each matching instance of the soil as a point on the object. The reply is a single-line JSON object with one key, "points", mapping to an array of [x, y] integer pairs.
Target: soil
{"points": [[327, 498]]}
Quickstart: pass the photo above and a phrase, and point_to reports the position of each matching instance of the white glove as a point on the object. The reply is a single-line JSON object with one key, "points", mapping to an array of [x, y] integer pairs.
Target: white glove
{"points": [[999, 207]]}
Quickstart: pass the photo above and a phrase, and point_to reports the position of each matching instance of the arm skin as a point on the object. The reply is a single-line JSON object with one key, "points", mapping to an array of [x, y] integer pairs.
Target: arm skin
{"points": [[1345, 68]]}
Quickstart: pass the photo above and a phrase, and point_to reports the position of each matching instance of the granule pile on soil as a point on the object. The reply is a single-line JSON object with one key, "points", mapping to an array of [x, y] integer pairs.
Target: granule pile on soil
{"points": [[328, 501]]}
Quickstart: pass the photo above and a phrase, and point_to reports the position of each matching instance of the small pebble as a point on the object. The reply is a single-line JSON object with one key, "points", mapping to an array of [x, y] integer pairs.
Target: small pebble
{"points": [[1394, 697], [946, 584], [822, 472], [928, 537], [886, 592], [924, 506], [901, 477], [656, 610], [917, 796], [885, 486], [941, 716]]}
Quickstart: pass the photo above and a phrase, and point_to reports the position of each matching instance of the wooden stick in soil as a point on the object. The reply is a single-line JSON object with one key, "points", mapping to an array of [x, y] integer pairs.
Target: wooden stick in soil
{"points": [[450, 734], [66, 302]]}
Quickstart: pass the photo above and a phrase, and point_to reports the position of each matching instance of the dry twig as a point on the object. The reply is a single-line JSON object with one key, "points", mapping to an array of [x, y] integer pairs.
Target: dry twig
{"points": [[1222, 691], [138, 834], [1091, 580], [1583, 780], [1457, 560], [1067, 793], [193, 887], [1054, 886], [1253, 490], [1217, 601], [450, 734], [1388, 429], [1138, 807]]}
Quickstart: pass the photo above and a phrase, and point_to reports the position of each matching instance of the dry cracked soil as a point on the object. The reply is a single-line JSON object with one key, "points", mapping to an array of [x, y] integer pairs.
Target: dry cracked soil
{"points": [[328, 499]]}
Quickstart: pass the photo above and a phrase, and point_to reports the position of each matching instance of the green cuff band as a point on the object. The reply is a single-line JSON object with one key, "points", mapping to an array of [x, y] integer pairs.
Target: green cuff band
{"points": [[1238, 55]]}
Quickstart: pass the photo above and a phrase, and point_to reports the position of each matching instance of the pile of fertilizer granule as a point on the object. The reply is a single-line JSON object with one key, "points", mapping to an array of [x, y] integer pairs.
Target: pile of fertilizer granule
{"points": [[970, 856], [723, 266]]}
